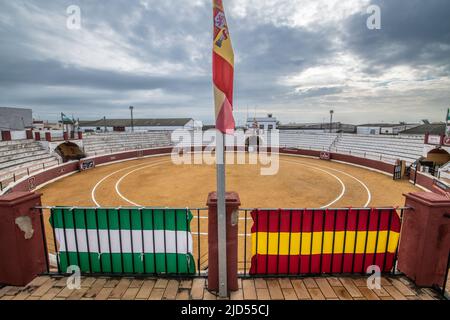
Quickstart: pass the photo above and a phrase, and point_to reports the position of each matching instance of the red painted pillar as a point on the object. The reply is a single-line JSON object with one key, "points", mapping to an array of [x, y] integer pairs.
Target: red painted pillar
{"points": [[80, 135], [29, 134], [66, 136], [37, 136], [425, 238], [48, 136], [6, 135], [22, 245], [232, 207]]}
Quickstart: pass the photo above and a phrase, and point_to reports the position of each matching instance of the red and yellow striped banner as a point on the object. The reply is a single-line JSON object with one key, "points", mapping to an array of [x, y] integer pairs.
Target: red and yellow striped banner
{"points": [[223, 71], [323, 241]]}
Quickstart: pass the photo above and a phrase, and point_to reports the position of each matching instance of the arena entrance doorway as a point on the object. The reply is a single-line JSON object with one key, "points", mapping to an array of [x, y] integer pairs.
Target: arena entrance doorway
{"points": [[69, 151], [438, 156], [435, 159]]}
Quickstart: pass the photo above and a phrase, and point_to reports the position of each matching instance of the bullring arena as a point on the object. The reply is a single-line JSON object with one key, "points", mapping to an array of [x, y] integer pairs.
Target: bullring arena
{"points": [[302, 182], [128, 175]]}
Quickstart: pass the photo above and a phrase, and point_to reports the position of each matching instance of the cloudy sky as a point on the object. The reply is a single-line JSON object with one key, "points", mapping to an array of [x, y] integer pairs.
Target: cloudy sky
{"points": [[295, 59]]}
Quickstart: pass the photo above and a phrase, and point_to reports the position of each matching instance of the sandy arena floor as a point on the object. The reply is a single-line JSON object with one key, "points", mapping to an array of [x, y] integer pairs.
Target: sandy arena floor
{"points": [[157, 182]]}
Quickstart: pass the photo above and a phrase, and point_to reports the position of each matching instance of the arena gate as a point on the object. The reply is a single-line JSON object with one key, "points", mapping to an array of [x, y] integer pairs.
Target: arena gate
{"points": [[398, 172], [302, 242]]}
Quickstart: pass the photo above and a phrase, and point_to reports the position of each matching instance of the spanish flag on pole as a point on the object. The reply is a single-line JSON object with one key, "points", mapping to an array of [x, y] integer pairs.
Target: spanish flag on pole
{"points": [[223, 71]]}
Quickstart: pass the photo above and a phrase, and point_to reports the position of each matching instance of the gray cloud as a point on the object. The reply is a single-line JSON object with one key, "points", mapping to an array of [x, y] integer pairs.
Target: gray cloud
{"points": [[413, 32], [156, 55]]}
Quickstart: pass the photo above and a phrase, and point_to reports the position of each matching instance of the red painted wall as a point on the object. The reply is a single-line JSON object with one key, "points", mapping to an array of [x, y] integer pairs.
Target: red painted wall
{"points": [[374, 164], [46, 176], [423, 180], [54, 173], [369, 163]]}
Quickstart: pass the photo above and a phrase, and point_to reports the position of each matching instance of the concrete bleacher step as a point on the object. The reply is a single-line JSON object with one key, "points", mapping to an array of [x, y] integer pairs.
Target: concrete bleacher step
{"points": [[7, 166], [14, 142], [375, 156], [384, 145], [381, 143], [127, 142], [21, 170], [13, 147], [381, 148], [27, 149], [20, 156]]}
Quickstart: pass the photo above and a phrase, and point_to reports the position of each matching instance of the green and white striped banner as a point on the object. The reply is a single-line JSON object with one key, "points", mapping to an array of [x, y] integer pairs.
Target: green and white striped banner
{"points": [[153, 241]]}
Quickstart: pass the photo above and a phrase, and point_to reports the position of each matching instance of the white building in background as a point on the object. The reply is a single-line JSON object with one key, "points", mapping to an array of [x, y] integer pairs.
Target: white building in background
{"points": [[384, 128], [140, 125], [267, 123]]}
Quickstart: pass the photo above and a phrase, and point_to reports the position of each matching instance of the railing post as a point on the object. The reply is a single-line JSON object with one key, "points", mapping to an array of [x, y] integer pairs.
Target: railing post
{"points": [[29, 134], [232, 216], [22, 242], [6, 135], [425, 238]]}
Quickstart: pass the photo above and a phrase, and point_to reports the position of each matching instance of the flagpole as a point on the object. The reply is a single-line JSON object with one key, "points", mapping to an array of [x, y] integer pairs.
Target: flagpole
{"points": [[221, 214]]}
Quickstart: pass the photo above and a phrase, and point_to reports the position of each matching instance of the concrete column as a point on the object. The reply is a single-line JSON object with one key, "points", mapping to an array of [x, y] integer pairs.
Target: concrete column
{"points": [[37, 136], [48, 136], [66, 136], [23, 253], [29, 134], [232, 210], [6, 135], [425, 238]]}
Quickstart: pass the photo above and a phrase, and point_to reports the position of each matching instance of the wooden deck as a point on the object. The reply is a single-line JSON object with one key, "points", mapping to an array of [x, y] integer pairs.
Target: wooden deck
{"points": [[324, 288]]}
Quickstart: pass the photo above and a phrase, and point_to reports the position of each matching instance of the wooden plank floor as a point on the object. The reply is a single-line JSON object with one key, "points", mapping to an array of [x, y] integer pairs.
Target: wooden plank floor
{"points": [[323, 288]]}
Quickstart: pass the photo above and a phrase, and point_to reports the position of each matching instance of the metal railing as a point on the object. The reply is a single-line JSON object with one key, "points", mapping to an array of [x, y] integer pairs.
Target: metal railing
{"points": [[111, 151], [444, 288], [27, 172], [124, 241], [363, 217]]}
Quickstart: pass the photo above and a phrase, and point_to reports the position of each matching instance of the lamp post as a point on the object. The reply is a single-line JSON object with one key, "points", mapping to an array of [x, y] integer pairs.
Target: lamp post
{"points": [[132, 120], [331, 121]]}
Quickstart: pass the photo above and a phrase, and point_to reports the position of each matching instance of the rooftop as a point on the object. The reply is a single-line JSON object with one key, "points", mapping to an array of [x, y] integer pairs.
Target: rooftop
{"points": [[386, 125], [171, 122], [431, 128], [318, 126]]}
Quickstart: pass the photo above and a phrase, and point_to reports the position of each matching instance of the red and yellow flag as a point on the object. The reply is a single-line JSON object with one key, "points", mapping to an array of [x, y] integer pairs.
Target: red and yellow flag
{"points": [[223, 71], [323, 241]]}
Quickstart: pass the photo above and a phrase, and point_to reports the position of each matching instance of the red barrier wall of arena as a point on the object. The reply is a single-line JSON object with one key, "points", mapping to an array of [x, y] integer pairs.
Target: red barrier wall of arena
{"points": [[54, 173], [45, 176], [130, 155], [62, 170], [423, 180], [369, 163], [309, 153]]}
